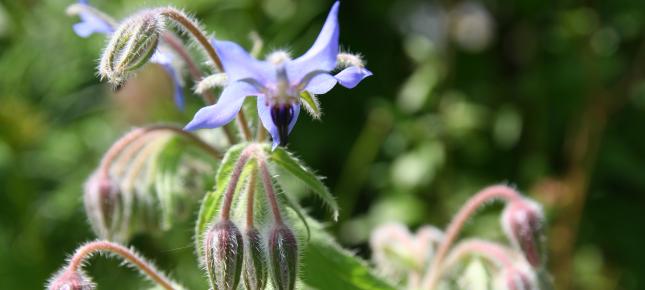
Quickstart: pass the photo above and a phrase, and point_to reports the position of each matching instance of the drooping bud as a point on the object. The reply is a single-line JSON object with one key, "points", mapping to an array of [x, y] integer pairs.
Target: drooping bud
{"points": [[103, 206], [516, 278], [255, 270], [282, 114], [131, 46], [70, 280], [283, 257], [223, 252], [522, 222]]}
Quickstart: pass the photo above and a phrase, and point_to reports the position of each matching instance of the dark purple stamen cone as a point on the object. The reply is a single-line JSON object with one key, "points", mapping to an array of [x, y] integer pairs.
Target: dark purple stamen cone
{"points": [[522, 221], [223, 252], [255, 269], [70, 280], [283, 257], [282, 116]]}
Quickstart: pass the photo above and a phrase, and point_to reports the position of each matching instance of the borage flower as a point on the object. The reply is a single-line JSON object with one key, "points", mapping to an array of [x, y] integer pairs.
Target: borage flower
{"points": [[94, 21], [280, 83]]}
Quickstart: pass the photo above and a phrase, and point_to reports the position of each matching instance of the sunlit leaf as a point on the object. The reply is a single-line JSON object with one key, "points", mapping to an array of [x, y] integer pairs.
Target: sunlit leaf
{"points": [[290, 163], [325, 265]]}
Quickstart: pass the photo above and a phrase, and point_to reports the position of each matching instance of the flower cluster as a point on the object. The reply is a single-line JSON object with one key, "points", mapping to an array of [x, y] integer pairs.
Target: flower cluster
{"points": [[279, 82], [423, 261]]}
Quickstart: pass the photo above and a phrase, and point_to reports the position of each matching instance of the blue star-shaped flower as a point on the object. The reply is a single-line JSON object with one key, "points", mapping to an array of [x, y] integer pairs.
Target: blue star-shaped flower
{"points": [[93, 21], [278, 82]]}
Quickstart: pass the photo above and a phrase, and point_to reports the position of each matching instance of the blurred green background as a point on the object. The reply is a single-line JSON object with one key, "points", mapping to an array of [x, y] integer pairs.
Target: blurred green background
{"points": [[548, 96]]}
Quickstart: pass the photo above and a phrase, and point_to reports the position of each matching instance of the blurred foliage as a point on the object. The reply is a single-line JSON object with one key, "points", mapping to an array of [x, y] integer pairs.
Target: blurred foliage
{"points": [[547, 96]]}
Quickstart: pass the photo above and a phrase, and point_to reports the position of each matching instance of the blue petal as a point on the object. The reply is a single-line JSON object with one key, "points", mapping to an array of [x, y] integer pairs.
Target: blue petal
{"points": [[225, 109], [264, 111], [322, 54], [91, 23], [351, 76], [238, 64], [179, 90], [165, 60], [321, 84]]}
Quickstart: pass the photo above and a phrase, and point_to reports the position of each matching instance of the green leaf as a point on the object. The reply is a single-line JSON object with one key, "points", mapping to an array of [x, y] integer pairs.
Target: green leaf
{"points": [[325, 265], [287, 161], [211, 202]]}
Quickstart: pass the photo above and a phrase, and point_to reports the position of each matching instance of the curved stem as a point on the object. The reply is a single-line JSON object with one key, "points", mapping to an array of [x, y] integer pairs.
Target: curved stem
{"points": [[494, 253], [196, 74], [192, 27], [117, 148], [268, 188], [128, 255], [454, 228], [243, 125], [250, 199], [135, 134], [193, 69], [234, 179]]}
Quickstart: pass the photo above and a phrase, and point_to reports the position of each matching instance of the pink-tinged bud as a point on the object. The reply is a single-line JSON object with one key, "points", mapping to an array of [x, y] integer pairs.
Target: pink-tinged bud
{"points": [[103, 205], [223, 252], [283, 257], [522, 221], [516, 278], [70, 280], [255, 269]]}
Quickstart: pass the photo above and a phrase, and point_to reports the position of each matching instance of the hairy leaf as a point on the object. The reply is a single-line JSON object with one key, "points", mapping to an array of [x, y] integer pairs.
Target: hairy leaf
{"points": [[293, 165]]}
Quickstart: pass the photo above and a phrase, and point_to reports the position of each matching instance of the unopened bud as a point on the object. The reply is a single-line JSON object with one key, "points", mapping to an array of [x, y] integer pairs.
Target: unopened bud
{"points": [[516, 278], [70, 280], [131, 46], [223, 252], [103, 205], [283, 257], [522, 222], [255, 270]]}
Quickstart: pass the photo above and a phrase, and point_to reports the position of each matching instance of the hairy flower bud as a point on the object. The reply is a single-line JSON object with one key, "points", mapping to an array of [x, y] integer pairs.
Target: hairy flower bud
{"points": [[522, 222], [283, 257], [223, 252], [131, 46], [103, 205], [255, 270], [70, 280]]}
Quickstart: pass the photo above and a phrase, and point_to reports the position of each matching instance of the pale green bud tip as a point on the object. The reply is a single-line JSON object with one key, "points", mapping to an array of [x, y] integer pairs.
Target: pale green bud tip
{"points": [[223, 252], [70, 280], [283, 257], [131, 46], [255, 269]]}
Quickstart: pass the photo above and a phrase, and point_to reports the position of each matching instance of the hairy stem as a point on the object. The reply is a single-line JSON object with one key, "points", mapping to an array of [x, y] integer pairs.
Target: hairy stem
{"points": [[250, 199], [128, 255], [234, 179], [494, 253], [268, 188], [196, 74], [192, 27], [454, 228], [118, 147]]}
